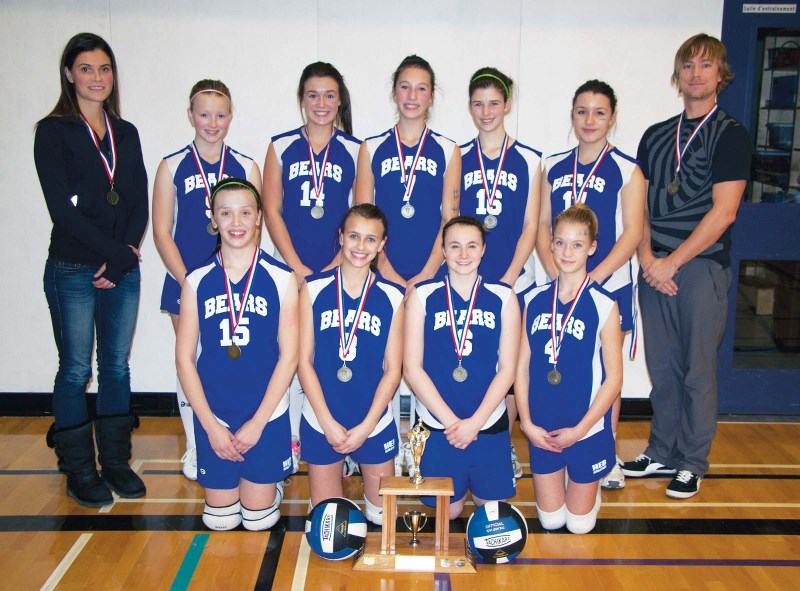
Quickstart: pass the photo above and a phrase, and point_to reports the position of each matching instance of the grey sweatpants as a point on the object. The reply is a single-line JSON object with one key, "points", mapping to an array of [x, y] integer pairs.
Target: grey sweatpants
{"points": [[681, 336]]}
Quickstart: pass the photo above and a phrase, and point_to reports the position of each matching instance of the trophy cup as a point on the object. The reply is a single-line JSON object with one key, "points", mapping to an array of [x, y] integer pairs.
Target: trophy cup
{"points": [[417, 438], [444, 555], [415, 521]]}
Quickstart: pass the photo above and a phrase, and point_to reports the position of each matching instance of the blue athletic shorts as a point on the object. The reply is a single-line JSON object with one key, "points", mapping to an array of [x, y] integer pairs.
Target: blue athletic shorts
{"points": [[268, 461], [484, 467], [586, 461], [171, 295], [375, 450]]}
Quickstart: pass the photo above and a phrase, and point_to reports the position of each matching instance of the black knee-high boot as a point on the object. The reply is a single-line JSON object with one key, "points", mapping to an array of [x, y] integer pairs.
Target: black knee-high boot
{"points": [[74, 448], [114, 451]]}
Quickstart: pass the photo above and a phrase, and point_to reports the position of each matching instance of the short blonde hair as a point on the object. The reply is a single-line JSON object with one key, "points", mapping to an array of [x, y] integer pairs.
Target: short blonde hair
{"points": [[708, 47]]}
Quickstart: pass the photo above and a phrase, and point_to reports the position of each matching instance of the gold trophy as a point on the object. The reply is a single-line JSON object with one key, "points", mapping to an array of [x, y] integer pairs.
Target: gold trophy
{"points": [[417, 438], [415, 521]]}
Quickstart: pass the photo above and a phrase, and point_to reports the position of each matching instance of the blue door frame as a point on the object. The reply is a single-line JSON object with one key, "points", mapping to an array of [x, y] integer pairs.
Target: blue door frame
{"points": [[763, 231]]}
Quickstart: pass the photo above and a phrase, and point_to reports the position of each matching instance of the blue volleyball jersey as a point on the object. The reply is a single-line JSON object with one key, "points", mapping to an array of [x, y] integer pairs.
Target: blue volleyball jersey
{"points": [[315, 240], [235, 388], [603, 196], [508, 205], [481, 350], [412, 239], [580, 361], [192, 215], [349, 402]]}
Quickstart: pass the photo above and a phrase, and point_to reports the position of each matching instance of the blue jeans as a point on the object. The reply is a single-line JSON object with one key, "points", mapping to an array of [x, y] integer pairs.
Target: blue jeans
{"points": [[77, 310]]}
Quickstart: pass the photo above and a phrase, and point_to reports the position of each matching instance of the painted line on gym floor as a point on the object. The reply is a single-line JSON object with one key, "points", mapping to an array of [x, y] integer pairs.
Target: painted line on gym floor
{"points": [[189, 564], [655, 562], [269, 563], [63, 566], [441, 582], [301, 565]]}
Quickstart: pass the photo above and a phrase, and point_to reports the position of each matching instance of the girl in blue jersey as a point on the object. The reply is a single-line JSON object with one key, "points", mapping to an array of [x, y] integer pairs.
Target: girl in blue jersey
{"points": [[568, 374], [612, 185], [351, 330], [308, 182], [412, 173], [500, 180], [236, 353], [462, 337], [182, 227], [309, 173]]}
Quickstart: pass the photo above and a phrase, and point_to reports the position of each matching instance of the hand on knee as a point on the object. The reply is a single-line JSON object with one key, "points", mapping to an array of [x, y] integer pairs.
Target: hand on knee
{"points": [[552, 519], [222, 518]]}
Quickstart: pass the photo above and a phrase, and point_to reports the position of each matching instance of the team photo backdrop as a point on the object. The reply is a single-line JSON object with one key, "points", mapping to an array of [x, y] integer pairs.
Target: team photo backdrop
{"points": [[258, 48]]}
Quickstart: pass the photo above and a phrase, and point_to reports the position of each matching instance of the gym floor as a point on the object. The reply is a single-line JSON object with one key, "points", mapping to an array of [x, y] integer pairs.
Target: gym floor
{"points": [[742, 531]]}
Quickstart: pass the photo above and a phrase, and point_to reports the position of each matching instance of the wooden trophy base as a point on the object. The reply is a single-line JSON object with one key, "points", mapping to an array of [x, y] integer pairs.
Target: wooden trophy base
{"points": [[442, 554], [416, 559]]}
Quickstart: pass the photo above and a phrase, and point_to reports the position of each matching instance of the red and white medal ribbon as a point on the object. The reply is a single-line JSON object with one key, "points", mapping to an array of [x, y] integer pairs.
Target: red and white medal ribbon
{"points": [[680, 153], [408, 179], [318, 178], [345, 341], [236, 317], [110, 167], [459, 344], [555, 341], [580, 196], [503, 151], [206, 184]]}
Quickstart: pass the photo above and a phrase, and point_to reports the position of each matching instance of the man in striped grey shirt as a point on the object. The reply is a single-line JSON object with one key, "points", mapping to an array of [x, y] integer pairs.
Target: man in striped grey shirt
{"points": [[697, 165]]}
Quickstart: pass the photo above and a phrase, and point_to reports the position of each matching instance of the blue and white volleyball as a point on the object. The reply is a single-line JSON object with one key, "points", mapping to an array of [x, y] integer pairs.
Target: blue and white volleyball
{"points": [[497, 532], [336, 529]]}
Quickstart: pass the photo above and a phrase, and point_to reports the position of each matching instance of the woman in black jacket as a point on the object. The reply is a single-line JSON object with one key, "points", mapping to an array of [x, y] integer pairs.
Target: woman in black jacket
{"points": [[90, 166]]}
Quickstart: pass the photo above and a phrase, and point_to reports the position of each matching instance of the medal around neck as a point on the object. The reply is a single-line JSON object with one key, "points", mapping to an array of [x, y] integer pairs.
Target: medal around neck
{"points": [[490, 222], [112, 197], [460, 374], [673, 187], [211, 229], [344, 374], [554, 377], [234, 352], [407, 211], [317, 212]]}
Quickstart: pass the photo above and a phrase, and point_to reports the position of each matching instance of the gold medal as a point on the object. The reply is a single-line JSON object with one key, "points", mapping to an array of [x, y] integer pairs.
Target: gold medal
{"points": [[234, 352], [112, 197], [554, 377], [211, 229]]}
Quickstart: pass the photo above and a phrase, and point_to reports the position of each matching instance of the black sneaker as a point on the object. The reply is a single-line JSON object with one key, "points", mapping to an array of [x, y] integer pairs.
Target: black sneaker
{"points": [[643, 465], [685, 485]]}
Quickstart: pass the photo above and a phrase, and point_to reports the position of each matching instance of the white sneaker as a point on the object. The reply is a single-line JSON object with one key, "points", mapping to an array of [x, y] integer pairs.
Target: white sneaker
{"points": [[399, 462], [614, 479], [295, 456], [408, 459], [350, 467], [515, 463], [189, 461]]}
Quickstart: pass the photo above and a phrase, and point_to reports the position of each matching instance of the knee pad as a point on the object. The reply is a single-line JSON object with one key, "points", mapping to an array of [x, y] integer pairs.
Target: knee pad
{"points": [[553, 519], [581, 524], [222, 518], [372, 512], [259, 519]]}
